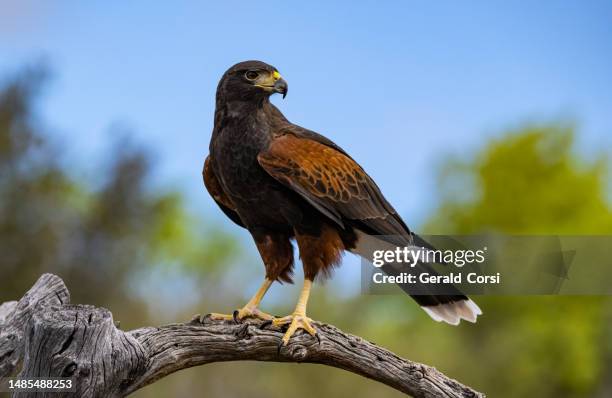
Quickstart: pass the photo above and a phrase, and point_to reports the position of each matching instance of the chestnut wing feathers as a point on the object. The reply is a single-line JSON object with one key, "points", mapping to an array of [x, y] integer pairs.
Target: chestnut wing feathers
{"points": [[214, 189], [332, 182]]}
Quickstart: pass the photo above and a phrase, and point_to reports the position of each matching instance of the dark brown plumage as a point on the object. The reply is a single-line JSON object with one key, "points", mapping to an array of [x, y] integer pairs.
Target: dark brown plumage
{"points": [[283, 182]]}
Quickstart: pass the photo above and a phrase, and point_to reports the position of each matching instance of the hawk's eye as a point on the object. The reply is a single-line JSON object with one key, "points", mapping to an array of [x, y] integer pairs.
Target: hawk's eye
{"points": [[251, 75]]}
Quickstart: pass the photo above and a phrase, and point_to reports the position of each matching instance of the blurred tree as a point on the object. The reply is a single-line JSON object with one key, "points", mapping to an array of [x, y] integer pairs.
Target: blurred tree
{"points": [[96, 239], [531, 181]]}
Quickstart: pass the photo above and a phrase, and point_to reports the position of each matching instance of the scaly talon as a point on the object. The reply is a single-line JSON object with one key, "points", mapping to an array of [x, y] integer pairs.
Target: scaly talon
{"points": [[250, 309], [295, 322], [244, 312], [298, 320], [282, 321], [220, 317]]}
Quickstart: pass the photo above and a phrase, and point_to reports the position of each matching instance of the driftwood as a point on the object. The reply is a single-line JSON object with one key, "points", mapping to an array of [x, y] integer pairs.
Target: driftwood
{"points": [[48, 337]]}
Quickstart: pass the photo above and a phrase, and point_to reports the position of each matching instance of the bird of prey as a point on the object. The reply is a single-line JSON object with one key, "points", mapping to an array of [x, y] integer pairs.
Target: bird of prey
{"points": [[283, 182]]}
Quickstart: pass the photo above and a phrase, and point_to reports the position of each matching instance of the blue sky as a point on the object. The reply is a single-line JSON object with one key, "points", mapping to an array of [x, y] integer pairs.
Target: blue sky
{"points": [[400, 85]]}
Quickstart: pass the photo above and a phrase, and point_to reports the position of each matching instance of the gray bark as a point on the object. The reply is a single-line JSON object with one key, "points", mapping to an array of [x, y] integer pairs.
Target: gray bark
{"points": [[47, 292], [56, 339]]}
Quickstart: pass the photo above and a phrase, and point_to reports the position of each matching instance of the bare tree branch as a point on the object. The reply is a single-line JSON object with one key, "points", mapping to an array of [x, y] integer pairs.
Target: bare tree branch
{"points": [[48, 291], [57, 339]]}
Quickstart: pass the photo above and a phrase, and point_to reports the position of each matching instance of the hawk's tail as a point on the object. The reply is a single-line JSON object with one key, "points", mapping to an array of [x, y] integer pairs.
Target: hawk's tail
{"points": [[450, 308]]}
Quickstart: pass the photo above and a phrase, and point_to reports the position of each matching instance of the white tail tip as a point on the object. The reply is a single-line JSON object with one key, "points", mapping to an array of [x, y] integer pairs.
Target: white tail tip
{"points": [[454, 312]]}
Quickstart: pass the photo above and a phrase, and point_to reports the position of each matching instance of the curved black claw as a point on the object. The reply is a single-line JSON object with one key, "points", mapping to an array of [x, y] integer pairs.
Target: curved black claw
{"points": [[318, 338], [265, 324], [278, 349], [235, 316]]}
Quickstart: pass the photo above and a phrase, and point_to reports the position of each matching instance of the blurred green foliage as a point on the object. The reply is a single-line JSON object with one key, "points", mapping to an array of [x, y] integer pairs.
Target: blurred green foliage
{"points": [[528, 182], [102, 234]]}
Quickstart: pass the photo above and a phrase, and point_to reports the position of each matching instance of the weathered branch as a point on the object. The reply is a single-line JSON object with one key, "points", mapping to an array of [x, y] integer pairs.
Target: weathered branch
{"points": [[57, 339], [48, 291]]}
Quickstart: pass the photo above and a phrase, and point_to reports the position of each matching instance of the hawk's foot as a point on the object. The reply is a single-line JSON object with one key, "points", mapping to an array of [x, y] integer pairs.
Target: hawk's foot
{"points": [[295, 322], [250, 309], [245, 312]]}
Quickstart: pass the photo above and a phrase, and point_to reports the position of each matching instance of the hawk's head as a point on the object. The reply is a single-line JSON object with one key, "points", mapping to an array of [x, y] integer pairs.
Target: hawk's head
{"points": [[251, 80]]}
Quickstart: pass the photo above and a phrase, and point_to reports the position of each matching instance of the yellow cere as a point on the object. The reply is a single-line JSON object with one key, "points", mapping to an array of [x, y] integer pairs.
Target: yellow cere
{"points": [[276, 75]]}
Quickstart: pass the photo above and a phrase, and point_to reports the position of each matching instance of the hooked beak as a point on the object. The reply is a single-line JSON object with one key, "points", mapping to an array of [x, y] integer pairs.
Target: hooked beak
{"points": [[281, 87], [274, 83]]}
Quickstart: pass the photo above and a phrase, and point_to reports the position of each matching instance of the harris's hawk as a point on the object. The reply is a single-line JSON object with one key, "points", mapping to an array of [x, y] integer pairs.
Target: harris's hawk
{"points": [[283, 182]]}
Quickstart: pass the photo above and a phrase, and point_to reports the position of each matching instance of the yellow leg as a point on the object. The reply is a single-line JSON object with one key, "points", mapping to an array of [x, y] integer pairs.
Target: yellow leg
{"points": [[298, 320], [250, 309]]}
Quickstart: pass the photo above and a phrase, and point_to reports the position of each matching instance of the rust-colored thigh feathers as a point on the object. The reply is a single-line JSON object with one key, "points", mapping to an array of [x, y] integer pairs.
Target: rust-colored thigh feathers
{"points": [[277, 254], [320, 253]]}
